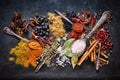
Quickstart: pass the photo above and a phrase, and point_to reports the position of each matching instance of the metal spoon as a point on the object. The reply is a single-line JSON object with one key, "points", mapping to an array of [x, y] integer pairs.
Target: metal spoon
{"points": [[41, 64], [10, 32], [59, 13], [81, 43]]}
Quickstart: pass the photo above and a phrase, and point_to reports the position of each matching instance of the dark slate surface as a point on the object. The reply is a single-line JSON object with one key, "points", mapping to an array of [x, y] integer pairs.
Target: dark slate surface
{"points": [[28, 8]]}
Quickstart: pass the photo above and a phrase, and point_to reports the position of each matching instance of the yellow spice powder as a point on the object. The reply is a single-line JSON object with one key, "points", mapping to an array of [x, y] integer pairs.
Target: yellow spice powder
{"points": [[20, 53], [26, 53]]}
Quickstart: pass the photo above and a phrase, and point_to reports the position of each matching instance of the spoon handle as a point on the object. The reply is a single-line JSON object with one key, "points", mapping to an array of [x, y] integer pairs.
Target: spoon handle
{"points": [[105, 16], [10, 32], [41, 64], [63, 16], [98, 58]]}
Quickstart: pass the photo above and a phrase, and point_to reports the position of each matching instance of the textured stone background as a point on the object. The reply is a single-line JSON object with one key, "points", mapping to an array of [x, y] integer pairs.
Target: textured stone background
{"points": [[28, 8]]}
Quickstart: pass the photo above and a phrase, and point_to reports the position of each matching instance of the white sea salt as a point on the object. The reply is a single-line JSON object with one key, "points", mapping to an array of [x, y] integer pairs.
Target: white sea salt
{"points": [[78, 46]]}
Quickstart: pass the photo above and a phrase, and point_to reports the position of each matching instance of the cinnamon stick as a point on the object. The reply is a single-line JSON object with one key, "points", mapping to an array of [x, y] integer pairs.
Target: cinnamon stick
{"points": [[103, 54], [94, 53], [92, 46], [92, 56]]}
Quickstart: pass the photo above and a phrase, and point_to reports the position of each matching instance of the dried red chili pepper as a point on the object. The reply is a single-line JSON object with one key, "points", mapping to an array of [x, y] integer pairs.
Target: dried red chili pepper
{"points": [[77, 20], [92, 20], [87, 13], [81, 19], [103, 47], [109, 43], [85, 22], [103, 37]]}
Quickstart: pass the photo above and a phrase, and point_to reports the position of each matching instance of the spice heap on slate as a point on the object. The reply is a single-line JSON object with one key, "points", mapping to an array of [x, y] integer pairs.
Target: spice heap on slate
{"points": [[52, 38]]}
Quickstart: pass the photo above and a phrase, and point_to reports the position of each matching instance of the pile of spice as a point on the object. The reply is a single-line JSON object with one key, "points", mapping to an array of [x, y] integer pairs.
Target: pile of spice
{"points": [[26, 53], [56, 25], [53, 37], [19, 54], [18, 24]]}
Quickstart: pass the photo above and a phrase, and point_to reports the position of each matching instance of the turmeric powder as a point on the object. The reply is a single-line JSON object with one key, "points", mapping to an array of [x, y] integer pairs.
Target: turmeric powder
{"points": [[33, 54], [20, 53], [26, 53]]}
